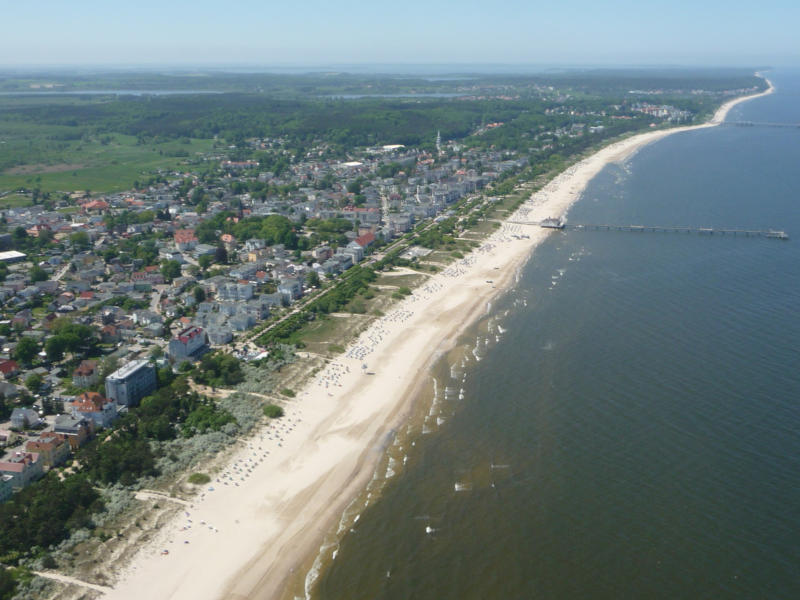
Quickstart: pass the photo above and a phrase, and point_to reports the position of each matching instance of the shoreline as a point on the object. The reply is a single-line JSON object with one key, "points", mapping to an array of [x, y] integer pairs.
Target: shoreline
{"points": [[297, 476]]}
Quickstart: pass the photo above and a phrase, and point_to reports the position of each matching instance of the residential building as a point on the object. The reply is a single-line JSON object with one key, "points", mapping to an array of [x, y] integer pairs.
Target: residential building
{"points": [[8, 368], [188, 344], [22, 418], [52, 448], [6, 489], [185, 239], [77, 430], [291, 288], [366, 240], [235, 291], [95, 407], [86, 375], [131, 382], [23, 468], [219, 335]]}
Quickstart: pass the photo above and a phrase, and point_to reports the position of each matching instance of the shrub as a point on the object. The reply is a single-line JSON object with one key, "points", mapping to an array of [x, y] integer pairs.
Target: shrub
{"points": [[273, 411], [199, 478], [288, 393]]}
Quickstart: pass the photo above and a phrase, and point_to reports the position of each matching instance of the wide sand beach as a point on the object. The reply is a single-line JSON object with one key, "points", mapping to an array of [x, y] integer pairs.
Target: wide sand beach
{"points": [[270, 508]]}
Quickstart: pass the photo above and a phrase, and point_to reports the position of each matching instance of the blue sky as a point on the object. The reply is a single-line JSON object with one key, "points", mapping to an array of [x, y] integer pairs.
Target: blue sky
{"points": [[316, 32]]}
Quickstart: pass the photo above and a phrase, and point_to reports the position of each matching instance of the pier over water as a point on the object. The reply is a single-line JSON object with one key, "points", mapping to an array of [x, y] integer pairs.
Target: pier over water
{"points": [[760, 124], [553, 223], [767, 233]]}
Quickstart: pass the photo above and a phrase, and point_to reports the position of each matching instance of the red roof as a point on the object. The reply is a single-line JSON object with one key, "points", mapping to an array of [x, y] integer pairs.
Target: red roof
{"points": [[90, 402], [96, 205], [183, 236], [87, 367], [8, 366], [365, 240], [188, 333], [19, 461], [39, 446]]}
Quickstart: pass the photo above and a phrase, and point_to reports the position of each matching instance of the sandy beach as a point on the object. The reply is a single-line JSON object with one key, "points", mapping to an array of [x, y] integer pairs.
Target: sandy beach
{"points": [[268, 510]]}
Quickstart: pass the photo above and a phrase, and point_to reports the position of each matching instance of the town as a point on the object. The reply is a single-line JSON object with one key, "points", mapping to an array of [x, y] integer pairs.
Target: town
{"points": [[143, 280], [145, 331]]}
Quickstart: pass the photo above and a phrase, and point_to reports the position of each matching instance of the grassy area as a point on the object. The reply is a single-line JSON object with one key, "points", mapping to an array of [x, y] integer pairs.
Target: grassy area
{"points": [[408, 280], [325, 331], [32, 156], [439, 257], [15, 201]]}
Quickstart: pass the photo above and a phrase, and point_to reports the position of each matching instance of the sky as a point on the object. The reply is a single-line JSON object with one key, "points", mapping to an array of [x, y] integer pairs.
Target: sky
{"points": [[327, 32]]}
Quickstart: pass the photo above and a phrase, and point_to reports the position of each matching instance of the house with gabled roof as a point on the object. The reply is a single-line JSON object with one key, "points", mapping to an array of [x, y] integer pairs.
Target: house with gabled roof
{"points": [[9, 368], [52, 448], [95, 407], [86, 374]]}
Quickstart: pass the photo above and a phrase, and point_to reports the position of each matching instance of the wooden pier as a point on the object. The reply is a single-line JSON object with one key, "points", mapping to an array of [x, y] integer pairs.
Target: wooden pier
{"points": [[760, 124], [767, 233], [552, 223]]}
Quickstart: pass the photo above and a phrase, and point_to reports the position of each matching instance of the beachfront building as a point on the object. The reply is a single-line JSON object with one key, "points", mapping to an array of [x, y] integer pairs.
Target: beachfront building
{"points": [[131, 382], [290, 288], [187, 345], [235, 291]]}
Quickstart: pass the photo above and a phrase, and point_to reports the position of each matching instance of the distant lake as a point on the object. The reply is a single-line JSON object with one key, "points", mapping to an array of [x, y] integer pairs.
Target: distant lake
{"points": [[421, 95], [108, 92]]}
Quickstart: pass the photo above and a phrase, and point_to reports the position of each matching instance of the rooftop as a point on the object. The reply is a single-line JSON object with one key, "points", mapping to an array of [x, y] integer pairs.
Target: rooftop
{"points": [[128, 369]]}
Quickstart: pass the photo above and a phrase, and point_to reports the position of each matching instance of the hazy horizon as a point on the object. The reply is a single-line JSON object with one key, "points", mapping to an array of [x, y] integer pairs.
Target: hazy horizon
{"points": [[398, 69], [202, 34]]}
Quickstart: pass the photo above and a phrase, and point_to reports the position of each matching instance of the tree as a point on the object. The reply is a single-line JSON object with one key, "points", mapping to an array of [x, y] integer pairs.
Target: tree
{"points": [[26, 349], [221, 255], [79, 239], [54, 347], [199, 294], [204, 261], [8, 586], [19, 235], [33, 382], [69, 337], [312, 279], [37, 273], [170, 269]]}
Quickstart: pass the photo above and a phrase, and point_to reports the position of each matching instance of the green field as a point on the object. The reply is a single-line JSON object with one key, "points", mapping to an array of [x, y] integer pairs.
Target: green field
{"points": [[100, 163]]}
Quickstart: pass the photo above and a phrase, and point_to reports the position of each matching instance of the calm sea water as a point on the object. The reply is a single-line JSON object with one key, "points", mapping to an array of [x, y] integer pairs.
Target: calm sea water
{"points": [[633, 427]]}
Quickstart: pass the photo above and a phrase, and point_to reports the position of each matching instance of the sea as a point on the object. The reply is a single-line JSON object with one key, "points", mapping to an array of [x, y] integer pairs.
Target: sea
{"points": [[624, 422]]}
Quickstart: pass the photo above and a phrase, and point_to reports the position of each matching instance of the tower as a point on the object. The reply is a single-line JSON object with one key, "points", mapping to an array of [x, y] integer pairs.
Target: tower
{"points": [[439, 142]]}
